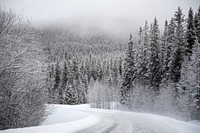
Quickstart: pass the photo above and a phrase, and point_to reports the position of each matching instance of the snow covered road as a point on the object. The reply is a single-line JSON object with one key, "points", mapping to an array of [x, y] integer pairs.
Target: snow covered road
{"points": [[82, 119], [129, 122]]}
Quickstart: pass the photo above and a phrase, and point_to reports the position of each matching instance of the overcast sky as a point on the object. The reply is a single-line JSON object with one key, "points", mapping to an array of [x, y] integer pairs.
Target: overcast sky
{"points": [[116, 16]]}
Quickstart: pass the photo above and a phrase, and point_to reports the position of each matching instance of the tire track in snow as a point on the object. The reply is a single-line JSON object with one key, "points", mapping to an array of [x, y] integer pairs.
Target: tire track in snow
{"points": [[106, 125], [127, 122]]}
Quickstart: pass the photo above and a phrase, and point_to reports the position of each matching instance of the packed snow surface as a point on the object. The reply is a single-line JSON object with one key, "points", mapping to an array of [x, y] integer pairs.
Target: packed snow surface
{"points": [[83, 119]]}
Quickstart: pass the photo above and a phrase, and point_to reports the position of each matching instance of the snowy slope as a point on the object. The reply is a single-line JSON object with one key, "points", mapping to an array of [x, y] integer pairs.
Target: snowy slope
{"points": [[64, 119], [82, 119]]}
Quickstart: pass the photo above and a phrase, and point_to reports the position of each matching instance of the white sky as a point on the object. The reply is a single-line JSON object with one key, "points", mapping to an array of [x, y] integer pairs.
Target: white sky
{"points": [[116, 16]]}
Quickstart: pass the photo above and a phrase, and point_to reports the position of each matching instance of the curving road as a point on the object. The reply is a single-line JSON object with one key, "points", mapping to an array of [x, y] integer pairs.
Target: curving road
{"points": [[129, 122], [83, 119]]}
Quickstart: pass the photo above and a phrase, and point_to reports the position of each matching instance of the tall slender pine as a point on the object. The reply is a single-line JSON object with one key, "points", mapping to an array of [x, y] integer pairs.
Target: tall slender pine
{"points": [[129, 75]]}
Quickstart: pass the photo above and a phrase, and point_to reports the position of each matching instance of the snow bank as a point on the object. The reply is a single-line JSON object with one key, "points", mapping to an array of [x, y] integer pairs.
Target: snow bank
{"points": [[68, 119], [161, 123], [179, 126], [65, 113], [64, 119]]}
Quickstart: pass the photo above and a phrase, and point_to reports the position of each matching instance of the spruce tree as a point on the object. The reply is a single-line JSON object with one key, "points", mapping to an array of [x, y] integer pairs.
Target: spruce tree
{"points": [[120, 67], [77, 81], [84, 82], [197, 24], [171, 31], [63, 84], [139, 55], [128, 75], [54, 91], [146, 53], [57, 76], [142, 62], [190, 35], [170, 49], [197, 79], [154, 64], [179, 47], [190, 84], [71, 94], [163, 51]]}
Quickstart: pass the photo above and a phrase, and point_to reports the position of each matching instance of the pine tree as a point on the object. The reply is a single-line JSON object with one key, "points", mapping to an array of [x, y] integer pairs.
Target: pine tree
{"points": [[63, 84], [197, 24], [171, 31], [163, 51], [146, 38], [185, 88], [71, 94], [154, 65], [120, 67], [146, 53], [189, 84], [197, 79], [77, 81], [190, 35], [113, 73], [128, 75], [84, 83], [94, 70], [142, 63], [55, 90], [99, 72], [139, 56], [57, 76], [179, 47], [170, 36]]}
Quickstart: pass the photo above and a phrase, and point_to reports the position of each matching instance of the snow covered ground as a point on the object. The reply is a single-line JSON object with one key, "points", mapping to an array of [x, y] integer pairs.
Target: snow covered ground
{"points": [[83, 119]]}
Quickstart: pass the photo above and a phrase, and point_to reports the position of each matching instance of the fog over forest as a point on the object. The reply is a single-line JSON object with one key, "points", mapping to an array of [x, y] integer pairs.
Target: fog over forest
{"points": [[115, 17], [140, 56]]}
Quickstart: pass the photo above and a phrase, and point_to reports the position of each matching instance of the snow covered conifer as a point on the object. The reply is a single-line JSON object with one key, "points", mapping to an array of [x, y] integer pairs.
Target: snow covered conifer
{"points": [[163, 51], [57, 76], [197, 78], [190, 35], [197, 24], [179, 47], [142, 61], [154, 64], [171, 31], [63, 84], [71, 94], [55, 90], [129, 75], [170, 39]]}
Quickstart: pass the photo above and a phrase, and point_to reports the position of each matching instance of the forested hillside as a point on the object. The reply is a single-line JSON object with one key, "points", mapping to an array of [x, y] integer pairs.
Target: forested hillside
{"points": [[157, 71]]}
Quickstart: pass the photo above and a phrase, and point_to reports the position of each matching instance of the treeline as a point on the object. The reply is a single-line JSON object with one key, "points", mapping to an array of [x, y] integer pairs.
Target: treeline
{"points": [[162, 72], [159, 73], [73, 81], [49, 65], [78, 62]]}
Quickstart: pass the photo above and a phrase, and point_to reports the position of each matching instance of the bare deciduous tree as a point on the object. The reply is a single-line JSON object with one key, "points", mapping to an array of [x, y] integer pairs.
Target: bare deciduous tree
{"points": [[22, 68]]}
